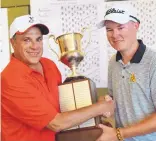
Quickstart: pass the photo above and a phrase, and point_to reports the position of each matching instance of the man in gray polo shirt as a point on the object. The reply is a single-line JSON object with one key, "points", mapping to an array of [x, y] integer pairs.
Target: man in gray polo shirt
{"points": [[132, 79]]}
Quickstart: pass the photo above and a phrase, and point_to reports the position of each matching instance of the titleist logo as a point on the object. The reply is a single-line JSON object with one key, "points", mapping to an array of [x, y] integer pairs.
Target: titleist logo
{"points": [[113, 10]]}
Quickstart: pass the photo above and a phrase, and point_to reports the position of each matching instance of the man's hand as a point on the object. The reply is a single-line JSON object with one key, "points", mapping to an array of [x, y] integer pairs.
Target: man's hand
{"points": [[110, 103], [109, 134], [106, 98]]}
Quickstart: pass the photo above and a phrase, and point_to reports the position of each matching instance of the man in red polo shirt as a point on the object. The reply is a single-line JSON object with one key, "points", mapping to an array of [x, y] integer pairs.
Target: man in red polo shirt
{"points": [[30, 108]]}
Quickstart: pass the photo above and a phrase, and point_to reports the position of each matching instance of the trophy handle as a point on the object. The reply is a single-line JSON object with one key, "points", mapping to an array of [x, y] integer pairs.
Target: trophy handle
{"points": [[82, 31], [52, 36]]}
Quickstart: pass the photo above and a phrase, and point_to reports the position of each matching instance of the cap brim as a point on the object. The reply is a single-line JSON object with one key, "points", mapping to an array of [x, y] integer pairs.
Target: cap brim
{"points": [[44, 29]]}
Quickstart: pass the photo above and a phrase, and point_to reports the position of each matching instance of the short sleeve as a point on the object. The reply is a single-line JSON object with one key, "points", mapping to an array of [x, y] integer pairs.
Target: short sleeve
{"points": [[25, 102]]}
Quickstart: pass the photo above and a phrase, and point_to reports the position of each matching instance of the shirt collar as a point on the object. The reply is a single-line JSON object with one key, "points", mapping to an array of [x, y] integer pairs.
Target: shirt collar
{"points": [[138, 54], [22, 66]]}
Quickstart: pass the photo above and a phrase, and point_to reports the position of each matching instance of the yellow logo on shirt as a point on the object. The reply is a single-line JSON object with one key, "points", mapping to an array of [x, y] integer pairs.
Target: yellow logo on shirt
{"points": [[132, 78]]}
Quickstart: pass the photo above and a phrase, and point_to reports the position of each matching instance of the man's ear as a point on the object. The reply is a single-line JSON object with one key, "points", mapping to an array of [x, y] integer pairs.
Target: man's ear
{"points": [[136, 25], [12, 41]]}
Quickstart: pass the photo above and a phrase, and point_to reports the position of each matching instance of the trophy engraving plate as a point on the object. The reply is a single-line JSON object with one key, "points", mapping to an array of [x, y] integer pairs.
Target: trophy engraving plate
{"points": [[78, 94]]}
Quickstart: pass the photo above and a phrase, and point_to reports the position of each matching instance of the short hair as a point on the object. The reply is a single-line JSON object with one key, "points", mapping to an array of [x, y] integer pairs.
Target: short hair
{"points": [[14, 37]]}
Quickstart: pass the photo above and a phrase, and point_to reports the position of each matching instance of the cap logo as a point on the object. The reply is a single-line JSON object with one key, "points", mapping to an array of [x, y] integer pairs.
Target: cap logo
{"points": [[113, 10], [31, 19]]}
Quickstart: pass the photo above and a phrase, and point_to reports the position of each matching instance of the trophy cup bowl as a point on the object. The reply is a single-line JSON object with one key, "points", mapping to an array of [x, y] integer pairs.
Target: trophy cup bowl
{"points": [[71, 52]]}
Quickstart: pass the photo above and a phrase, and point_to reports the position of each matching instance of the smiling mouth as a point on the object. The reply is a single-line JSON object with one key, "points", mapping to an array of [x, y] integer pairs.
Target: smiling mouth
{"points": [[33, 53], [118, 41]]}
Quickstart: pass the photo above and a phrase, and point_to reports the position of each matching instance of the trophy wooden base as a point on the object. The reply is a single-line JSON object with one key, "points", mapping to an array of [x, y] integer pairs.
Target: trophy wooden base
{"points": [[84, 134], [73, 95], [76, 78]]}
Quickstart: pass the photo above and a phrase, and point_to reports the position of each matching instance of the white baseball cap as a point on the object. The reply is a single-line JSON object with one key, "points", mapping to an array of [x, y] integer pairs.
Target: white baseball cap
{"points": [[120, 13], [23, 23]]}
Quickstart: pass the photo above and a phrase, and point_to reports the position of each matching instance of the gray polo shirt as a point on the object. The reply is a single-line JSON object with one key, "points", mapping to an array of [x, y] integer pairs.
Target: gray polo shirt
{"points": [[133, 87]]}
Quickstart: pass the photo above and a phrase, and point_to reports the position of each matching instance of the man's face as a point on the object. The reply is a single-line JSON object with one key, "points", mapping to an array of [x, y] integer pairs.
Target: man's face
{"points": [[28, 47], [121, 36]]}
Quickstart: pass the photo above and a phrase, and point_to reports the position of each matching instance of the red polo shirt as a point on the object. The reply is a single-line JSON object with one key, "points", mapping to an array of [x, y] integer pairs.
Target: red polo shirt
{"points": [[29, 101]]}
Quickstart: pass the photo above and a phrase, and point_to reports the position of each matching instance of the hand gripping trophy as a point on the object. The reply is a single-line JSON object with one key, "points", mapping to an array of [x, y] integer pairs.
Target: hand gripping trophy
{"points": [[77, 91]]}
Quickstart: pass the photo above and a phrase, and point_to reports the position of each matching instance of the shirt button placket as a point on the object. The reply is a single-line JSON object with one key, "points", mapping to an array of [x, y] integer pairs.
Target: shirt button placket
{"points": [[123, 72]]}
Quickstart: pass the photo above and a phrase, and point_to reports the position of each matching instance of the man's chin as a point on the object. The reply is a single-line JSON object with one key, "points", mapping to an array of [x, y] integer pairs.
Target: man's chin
{"points": [[118, 47], [34, 61]]}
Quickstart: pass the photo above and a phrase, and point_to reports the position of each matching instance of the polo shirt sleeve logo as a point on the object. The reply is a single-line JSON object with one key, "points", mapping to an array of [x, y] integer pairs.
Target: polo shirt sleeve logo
{"points": [[132, 78], [113, 10]]}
